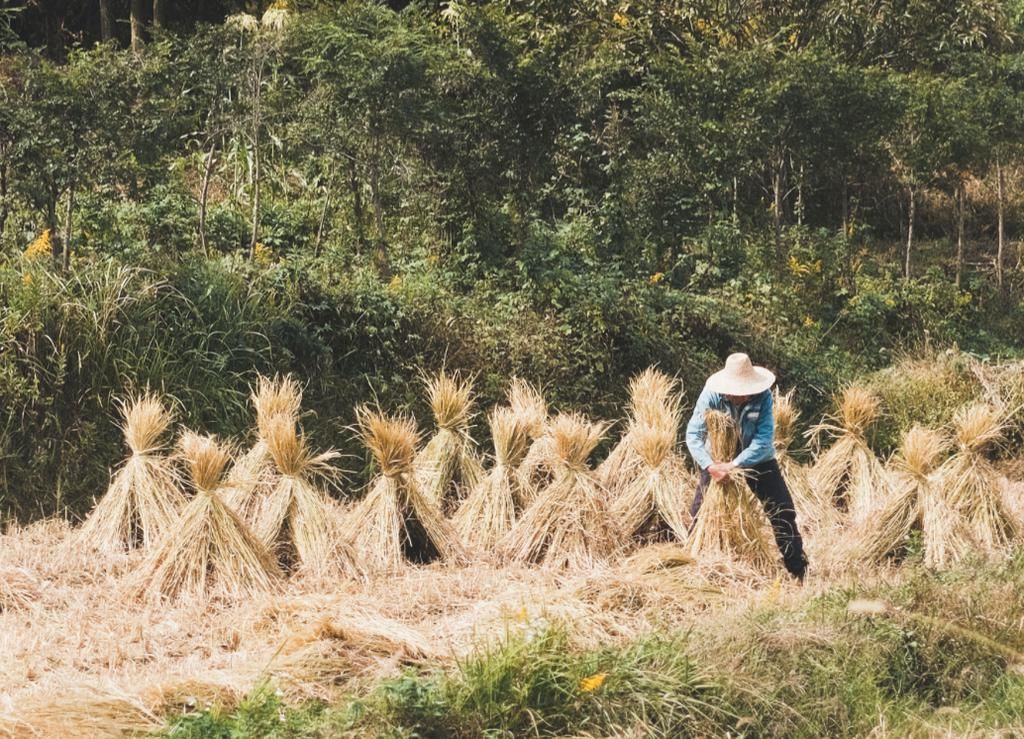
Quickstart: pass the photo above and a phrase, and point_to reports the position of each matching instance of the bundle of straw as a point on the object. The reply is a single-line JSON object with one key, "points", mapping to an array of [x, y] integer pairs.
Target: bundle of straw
{"points": [[567, 524], [973, 488], [295, 517], [653, 505], [731, 520], [848, 473], [815, 512], [447, 466], [654, 401], [916, 502], [142, 503], [396, 522], [211, 547], [489, 513], [254, 474]]}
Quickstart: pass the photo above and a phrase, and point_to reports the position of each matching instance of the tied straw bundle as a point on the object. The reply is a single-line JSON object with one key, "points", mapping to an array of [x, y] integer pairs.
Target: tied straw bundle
{"points": [[253, 476], [296, 518], [142, 502], [211, 547], [916, 502], [537, 468], [652, 505], [447, 467], [396, 522], [730, 520], [567, 525], [974, 508], [848, 473], [489, 513], [816, 512], [654, 401]]}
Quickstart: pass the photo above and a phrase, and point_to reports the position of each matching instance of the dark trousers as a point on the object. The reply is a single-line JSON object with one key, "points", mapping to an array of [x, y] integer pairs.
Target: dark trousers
{"points": [[766, 482]]}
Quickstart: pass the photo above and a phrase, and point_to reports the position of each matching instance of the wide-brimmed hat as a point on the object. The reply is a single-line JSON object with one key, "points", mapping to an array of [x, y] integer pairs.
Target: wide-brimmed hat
{"points": [[740, 377]]}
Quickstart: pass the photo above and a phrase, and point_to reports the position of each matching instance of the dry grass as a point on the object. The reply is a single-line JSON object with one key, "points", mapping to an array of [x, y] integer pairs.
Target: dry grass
{"points": [[567, 525], [396, 522], [254, 474], [731, 521], [528, 403], [848, 473], [447, 467], [142, 503], [654, 503], [295, 519], [490, 511], [211, 549]]}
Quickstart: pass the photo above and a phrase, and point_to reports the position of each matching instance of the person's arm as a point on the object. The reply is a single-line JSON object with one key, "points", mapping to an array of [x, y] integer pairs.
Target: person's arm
{"points": [[763, 443], [697, 431]]}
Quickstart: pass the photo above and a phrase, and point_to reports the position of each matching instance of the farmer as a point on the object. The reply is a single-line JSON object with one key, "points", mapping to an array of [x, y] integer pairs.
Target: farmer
{"points": [[744, 392]]}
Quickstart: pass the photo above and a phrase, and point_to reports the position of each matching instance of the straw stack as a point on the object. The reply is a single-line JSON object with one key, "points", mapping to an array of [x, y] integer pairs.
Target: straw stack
{"points": [[848, 473], [490, 511], [654, 402], [916, 502], [731, 520], [396, 522], [567, 524], [974, 507], [295, 518], [537, 468], [653, 504], [254, 475], [447, 467], [815, 513], [142, 503], [211, 548]]}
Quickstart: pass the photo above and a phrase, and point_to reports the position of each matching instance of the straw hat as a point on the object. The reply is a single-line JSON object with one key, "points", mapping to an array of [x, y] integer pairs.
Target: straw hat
{"points": [[740, 377]]}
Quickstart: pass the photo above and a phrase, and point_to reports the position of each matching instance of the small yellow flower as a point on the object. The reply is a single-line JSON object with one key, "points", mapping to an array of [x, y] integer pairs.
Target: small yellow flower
{"points": [[433, 259], [657, 277], [40, 248], [262, 254], [396, 282], [592, 683], [620, 20], [808, 322], [26, 279]]}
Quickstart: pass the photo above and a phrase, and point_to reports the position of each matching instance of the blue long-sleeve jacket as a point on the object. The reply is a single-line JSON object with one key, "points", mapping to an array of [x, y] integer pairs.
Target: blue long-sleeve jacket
{"points": [[757, 428]]}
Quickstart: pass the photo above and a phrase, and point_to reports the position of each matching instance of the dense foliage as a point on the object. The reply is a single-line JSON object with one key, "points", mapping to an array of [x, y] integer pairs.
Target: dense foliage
{"points": [[565, 191]]}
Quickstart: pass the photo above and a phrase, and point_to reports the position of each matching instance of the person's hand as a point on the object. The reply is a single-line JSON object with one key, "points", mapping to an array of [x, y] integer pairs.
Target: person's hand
{"points": [[720, 470]]}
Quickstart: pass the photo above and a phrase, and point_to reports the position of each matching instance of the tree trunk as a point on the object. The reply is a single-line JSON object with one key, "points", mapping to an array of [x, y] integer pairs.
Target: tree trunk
{"points": [[959, 233], [256, 160], [106, 21], [158, 13], [735, 202], [323, 215], [777, 176], [845, 208], [4, 207], [136, 13], [910, 232], [68, 215], [1001, 232], [800, 198], [204, 196], [357, 205]]}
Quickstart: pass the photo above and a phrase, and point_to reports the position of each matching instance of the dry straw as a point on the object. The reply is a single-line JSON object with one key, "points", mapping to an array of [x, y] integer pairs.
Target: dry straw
{"points": [[654, 401], [447, 467], [142, 503], [490, 511], [848, 473], [538, 466], [652, 505], [254, 474], [567, 524], [731, 521], [295, 517], [916, 502], [396, 522], [974, 507], [815, 512], [211, 548]]}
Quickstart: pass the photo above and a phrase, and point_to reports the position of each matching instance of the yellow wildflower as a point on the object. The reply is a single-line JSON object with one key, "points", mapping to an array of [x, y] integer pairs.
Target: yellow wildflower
{"points": [[657, 277], [262, 254], [808, 322], [433, 259], [396, 282], [26, 279], [620, 20], [592, 683], [40, 248]]}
